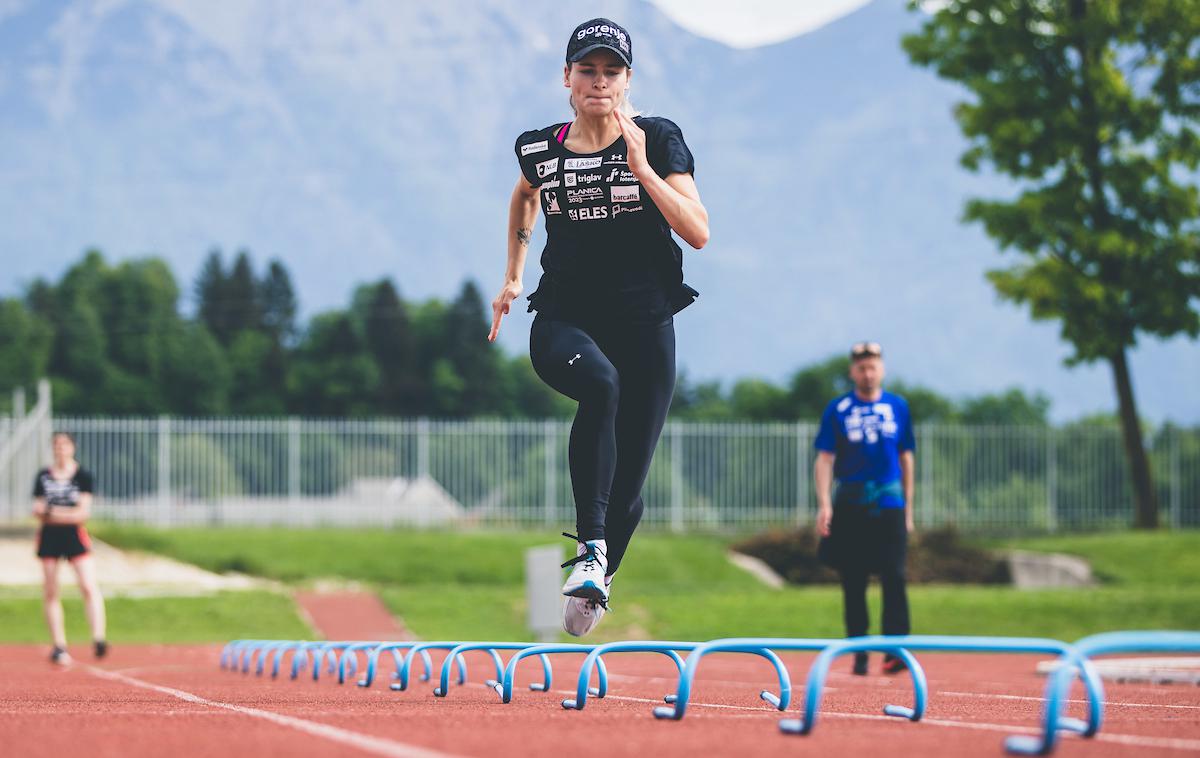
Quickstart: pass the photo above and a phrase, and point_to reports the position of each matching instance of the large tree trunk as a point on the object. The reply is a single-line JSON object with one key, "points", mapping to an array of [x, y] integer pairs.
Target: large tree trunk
{"points": [[1146, 515]]}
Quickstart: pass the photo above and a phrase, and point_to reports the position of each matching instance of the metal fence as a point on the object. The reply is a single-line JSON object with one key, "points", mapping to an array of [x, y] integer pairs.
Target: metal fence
{"points": [[24, 447], [167, 471]]}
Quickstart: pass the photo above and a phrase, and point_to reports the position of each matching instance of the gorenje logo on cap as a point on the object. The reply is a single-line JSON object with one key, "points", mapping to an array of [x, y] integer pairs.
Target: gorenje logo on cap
{"points": [[605, 30]]}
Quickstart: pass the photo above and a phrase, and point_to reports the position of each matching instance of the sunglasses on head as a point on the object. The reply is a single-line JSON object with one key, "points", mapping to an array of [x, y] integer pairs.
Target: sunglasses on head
{"points": [[866, 350]]}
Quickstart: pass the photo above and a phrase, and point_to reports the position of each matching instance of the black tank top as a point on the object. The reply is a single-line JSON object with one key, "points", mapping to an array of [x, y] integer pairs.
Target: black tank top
{"points": [[609, 252]]}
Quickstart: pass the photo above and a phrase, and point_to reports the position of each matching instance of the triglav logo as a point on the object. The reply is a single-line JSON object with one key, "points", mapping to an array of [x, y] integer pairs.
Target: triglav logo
{"points": [[535, 147], [588, 178], [574, 164], [569, 180], [546, 168]]}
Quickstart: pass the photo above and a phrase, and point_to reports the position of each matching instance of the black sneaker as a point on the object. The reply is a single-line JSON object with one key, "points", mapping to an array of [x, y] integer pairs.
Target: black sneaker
{"points": [[59, 656], [860, 664], [101, 648]]}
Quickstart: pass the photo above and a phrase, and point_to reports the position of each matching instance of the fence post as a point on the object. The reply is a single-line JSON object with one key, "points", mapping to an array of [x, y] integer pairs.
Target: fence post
{"points": [[802, 496], [926, 479], [1051, 480], [18, 404], [551, 443], [47, 419], [676, 478], [422, 448], [164, 471], [1176, 479], [293, 469]]}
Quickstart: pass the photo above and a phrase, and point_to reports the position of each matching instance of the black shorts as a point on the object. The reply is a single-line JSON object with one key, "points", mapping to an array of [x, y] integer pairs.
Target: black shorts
{"points": [[68, 541]]}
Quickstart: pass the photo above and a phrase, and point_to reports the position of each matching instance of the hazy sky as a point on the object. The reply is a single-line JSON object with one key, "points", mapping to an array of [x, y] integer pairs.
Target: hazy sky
{"points": [[748, 23]]}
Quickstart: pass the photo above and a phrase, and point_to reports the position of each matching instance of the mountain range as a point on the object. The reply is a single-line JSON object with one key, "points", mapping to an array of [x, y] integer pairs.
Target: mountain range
{"points": [[357, 140]]}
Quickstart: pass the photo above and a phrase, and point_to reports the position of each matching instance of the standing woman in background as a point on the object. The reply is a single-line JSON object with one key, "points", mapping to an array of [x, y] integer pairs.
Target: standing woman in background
{"points": [[613, 186], [62, 501]]}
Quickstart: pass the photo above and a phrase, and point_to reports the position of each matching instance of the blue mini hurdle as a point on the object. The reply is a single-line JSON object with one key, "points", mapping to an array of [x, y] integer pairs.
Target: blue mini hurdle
{"points": [[761, 646], [593, 659], [1058, 684], [900, 646], [421, 648], [394, 648], [504, 686], [455, 653]]}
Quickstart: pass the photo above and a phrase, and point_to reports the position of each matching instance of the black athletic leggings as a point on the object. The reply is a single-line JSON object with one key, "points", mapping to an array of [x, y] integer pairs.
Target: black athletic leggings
{"points": [[622, 376]]}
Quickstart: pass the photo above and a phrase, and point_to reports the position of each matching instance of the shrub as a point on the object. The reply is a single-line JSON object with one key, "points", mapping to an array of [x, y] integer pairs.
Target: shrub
{"points": [[937, 556]]}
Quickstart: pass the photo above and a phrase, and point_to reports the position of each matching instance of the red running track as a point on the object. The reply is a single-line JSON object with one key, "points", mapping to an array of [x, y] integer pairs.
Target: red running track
{"points": [[174, 701]]}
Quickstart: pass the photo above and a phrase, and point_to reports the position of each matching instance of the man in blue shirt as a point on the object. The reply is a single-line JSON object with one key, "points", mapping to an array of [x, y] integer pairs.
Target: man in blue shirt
{"points": [[866, 443]]}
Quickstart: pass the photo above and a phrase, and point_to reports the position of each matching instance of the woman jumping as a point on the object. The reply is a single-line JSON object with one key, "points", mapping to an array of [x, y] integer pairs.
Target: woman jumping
{"points": [[62, 501], [612, 186]]}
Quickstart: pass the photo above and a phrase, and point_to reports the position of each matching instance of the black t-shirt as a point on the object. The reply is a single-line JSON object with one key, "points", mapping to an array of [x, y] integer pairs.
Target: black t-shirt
{"points": [[62, 492], [609, 252]]}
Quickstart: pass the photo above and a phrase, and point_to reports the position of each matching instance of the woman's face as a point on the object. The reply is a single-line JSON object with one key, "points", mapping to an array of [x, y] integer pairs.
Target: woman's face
{"points": [[597, 83], [64, 448]]}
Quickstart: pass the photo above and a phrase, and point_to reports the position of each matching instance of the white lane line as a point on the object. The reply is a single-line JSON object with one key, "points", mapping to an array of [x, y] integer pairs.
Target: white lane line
{"points": [[1168, 743], [364, 742], [1042, 700]]}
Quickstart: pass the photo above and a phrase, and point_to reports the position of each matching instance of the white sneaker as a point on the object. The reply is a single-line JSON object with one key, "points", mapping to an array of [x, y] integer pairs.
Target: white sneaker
{"points": [[580, 615], [587, 578]]}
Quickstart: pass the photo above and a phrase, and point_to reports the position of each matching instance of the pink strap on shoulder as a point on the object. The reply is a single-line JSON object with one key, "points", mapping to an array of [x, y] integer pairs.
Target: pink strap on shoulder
{"points": [[562, 133]]}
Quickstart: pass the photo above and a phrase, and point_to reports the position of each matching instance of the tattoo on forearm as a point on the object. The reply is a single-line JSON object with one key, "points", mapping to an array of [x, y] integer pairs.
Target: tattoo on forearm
{"points": [[523, 236]]}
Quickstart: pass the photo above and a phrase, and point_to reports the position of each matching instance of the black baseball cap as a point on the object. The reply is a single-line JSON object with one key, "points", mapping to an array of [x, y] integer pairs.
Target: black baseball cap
{"points": [[598, 33]]}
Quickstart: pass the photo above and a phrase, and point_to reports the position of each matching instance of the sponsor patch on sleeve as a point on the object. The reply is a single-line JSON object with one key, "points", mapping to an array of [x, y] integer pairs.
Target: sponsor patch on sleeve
{"points": [[535, 147]]}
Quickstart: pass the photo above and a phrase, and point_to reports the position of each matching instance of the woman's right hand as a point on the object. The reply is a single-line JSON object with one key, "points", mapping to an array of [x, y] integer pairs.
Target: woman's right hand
{"points": [[500, 306]]}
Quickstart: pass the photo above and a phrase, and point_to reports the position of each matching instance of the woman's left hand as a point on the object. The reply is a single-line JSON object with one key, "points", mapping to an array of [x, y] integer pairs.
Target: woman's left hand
{"points": [[635, 144]]}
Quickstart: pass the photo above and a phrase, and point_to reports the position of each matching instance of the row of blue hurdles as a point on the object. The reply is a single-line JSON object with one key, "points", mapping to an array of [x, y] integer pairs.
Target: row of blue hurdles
{"points": [[1074, 660]]}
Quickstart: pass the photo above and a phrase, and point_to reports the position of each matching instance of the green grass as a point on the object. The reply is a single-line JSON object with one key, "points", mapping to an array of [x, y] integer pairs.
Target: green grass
{"points": [[206, 618], [465, 585], [1128, 558]]}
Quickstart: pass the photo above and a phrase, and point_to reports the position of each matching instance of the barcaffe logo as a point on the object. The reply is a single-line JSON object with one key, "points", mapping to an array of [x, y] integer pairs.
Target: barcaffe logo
{"points": [[575, 164], [535, 147], [623, 194]]}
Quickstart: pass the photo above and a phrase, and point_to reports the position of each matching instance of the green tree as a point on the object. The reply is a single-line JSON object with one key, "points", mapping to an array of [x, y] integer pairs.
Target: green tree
{"points": [[1011, 407], [277, 303], [24, 346], [1091, 106], [391, 342], [473, 359], [211, 297], [331, 373]]}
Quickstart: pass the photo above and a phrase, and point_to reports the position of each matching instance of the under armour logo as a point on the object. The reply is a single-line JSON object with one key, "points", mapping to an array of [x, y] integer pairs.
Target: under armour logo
{"points": [[572, 361]]}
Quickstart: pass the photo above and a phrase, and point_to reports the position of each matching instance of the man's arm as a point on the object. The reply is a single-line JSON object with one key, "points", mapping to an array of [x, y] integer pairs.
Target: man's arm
{"points": [[907, 478], [823, 480]]}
